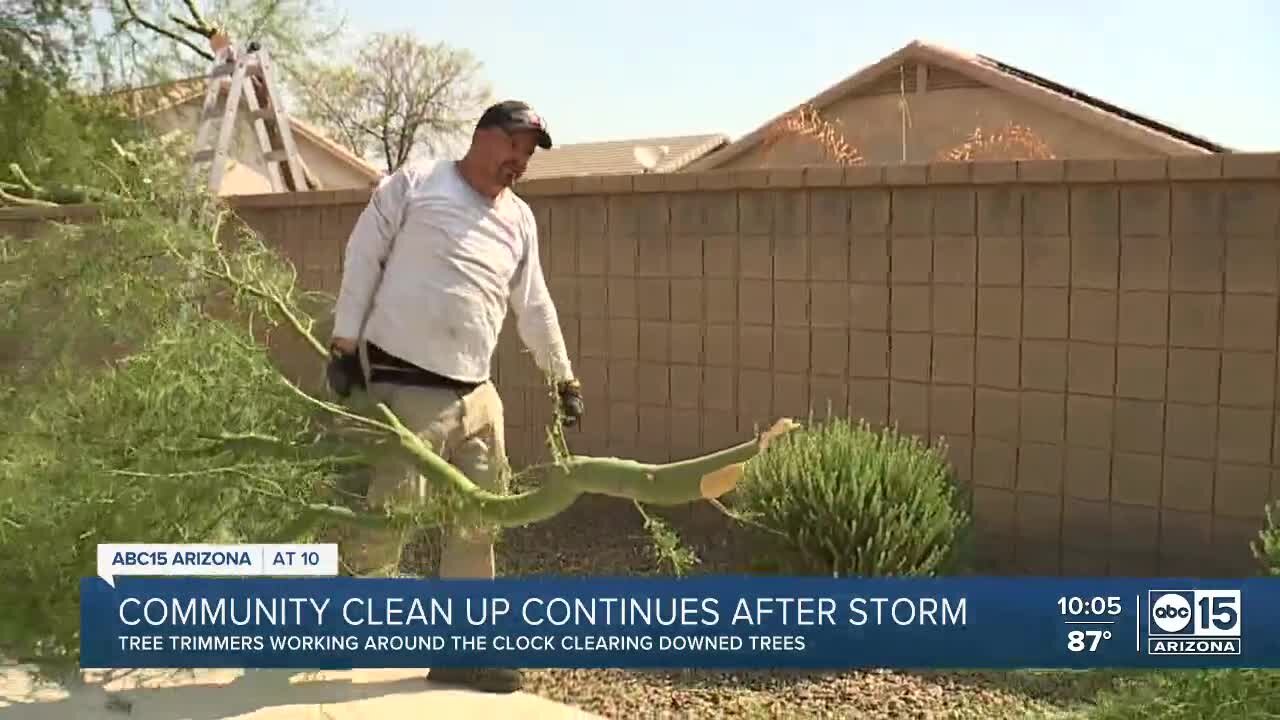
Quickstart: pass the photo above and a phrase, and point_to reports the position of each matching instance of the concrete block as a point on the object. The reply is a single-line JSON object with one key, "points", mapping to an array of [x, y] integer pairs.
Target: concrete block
{"points": [[686, 343], [1248, 379], [1193, 375], [1044, 313], [1249, 322], [869, 306], [1191, 431], [722, 300], [1251, 263], [999, 211], [1197, 263], [1140, 372], [955, 259], [910, 356], [995, 465], [1188, 485], [1090, 421], [1144, 209], [909, 407], [951, 410], [1242, 490], [998, 363], [912, 259], [954, 211], [910, 308], [869, 259], [720, 256], [1046, 261], [1195, 320], [954, 308], [1088, 477], [791, 303], [1040, 468], [1044, 365], [1135, 479], [791, 350], [999, 312], [1244, 435], [1000, 260], [1095, 261], [996, 414], [830, 303], [1144, 318], [1095, 210], [1139, 426], [1144, 263], [830, 258], [953, 359], [755, 347], [869, 211], [1043, 417]]}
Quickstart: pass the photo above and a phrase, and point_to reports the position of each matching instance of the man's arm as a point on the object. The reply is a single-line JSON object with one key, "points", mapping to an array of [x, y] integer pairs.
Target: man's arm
{"points": [[367, 250], [536, 319]]}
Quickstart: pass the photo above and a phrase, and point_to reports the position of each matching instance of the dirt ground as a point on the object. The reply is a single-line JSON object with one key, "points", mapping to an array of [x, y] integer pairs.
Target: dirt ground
{"points": [[603, 536]]}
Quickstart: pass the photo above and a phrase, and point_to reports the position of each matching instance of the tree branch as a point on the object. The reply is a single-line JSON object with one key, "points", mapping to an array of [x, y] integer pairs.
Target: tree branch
{"points": [[135, 16]]}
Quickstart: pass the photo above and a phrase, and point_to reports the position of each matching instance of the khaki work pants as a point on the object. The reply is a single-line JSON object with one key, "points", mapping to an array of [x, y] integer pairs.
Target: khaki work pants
{"points": [[466, 430]]}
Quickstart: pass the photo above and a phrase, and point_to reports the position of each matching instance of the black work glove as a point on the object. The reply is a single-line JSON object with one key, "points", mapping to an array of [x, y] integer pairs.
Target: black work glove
{"points": [[343, 372], [571, 407]]}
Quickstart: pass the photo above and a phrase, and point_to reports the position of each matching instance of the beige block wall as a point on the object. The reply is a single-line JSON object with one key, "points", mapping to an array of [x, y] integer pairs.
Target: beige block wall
{"points": [[940, 120], [1096, 340]]}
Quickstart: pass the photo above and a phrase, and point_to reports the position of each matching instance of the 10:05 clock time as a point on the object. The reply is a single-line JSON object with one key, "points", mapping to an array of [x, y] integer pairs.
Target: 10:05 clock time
{"points": [[1077, 606]]}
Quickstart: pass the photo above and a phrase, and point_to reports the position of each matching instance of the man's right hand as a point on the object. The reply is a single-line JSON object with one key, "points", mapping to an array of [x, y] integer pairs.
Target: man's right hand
{"points": [[343, 371]]}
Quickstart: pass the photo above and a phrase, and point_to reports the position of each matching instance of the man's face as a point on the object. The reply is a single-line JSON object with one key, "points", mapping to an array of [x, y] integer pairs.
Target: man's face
{"points": [[509, 153]]}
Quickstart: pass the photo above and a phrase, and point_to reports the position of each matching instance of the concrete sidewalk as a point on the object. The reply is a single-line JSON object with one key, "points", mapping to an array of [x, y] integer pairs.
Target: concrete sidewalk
{"points": [[263, 695]]}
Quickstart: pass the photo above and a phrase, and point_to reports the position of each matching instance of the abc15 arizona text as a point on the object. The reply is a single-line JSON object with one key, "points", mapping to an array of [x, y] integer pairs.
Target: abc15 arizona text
{"points": [[1193, 622]]}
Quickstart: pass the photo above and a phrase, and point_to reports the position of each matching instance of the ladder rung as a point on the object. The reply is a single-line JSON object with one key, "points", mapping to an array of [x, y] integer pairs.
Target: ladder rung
{"points": [[202, 156], [277, 156], [262, 114], [223, 69]]}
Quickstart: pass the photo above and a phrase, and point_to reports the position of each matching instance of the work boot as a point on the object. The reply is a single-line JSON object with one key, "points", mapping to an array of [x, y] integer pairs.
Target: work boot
{"points": [[491, 680]]}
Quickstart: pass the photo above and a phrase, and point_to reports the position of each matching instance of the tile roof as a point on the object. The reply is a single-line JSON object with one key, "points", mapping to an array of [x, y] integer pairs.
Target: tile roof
{"points": [[616, 157], [1001, 76]]}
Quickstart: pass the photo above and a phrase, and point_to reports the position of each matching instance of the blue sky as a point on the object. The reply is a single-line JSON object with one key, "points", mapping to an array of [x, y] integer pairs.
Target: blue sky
{"points": [[612, 70]]}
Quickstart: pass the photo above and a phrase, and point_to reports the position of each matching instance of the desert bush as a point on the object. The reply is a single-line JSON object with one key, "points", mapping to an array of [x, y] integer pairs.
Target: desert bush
{"points": [[1267, 547], [1191, 695], [845, 499]]}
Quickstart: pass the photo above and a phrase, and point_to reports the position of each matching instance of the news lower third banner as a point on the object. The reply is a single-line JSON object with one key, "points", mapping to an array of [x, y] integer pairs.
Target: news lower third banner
{"points": [[299, 621]]}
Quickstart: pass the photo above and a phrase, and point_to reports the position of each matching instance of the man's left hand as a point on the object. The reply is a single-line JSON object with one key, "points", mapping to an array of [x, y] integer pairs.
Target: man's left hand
{"points": [[571, 406]]}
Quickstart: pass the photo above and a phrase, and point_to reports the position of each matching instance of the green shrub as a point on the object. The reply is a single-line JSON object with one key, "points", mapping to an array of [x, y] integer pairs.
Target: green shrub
{"points": [[1267, 546], [851, 500], [1192, 695]]}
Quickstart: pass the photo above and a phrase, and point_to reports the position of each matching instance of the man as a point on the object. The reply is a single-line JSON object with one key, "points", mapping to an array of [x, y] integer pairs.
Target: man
{"points": [[455, 247]]}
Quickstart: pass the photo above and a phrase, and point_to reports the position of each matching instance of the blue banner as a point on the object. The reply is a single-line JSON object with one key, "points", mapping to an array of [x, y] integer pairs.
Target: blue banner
{"points": [[704, 622]]}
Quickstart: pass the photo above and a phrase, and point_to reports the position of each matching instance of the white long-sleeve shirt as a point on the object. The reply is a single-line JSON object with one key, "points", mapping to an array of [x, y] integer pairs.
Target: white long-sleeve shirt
{"points": [[454, 262]]}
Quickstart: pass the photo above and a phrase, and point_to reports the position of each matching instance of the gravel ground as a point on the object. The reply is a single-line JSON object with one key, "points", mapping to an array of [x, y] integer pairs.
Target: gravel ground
{"points": [[601, 536]]}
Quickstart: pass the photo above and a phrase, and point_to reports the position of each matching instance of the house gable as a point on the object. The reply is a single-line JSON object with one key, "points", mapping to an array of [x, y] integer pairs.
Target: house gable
{"points": [[176, 107], [947, 96]]}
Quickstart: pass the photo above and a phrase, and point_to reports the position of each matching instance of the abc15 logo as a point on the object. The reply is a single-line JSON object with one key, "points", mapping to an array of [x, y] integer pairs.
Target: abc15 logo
{"points": [[1194, 613]]}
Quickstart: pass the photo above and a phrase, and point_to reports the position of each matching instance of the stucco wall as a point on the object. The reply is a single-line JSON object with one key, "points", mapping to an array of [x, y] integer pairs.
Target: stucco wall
{"points": [[939, 120]]}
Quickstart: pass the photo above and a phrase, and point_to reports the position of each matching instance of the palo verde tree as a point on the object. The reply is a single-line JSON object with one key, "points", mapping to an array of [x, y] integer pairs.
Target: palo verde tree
{"points": [[148, 41], [143, 405]]}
